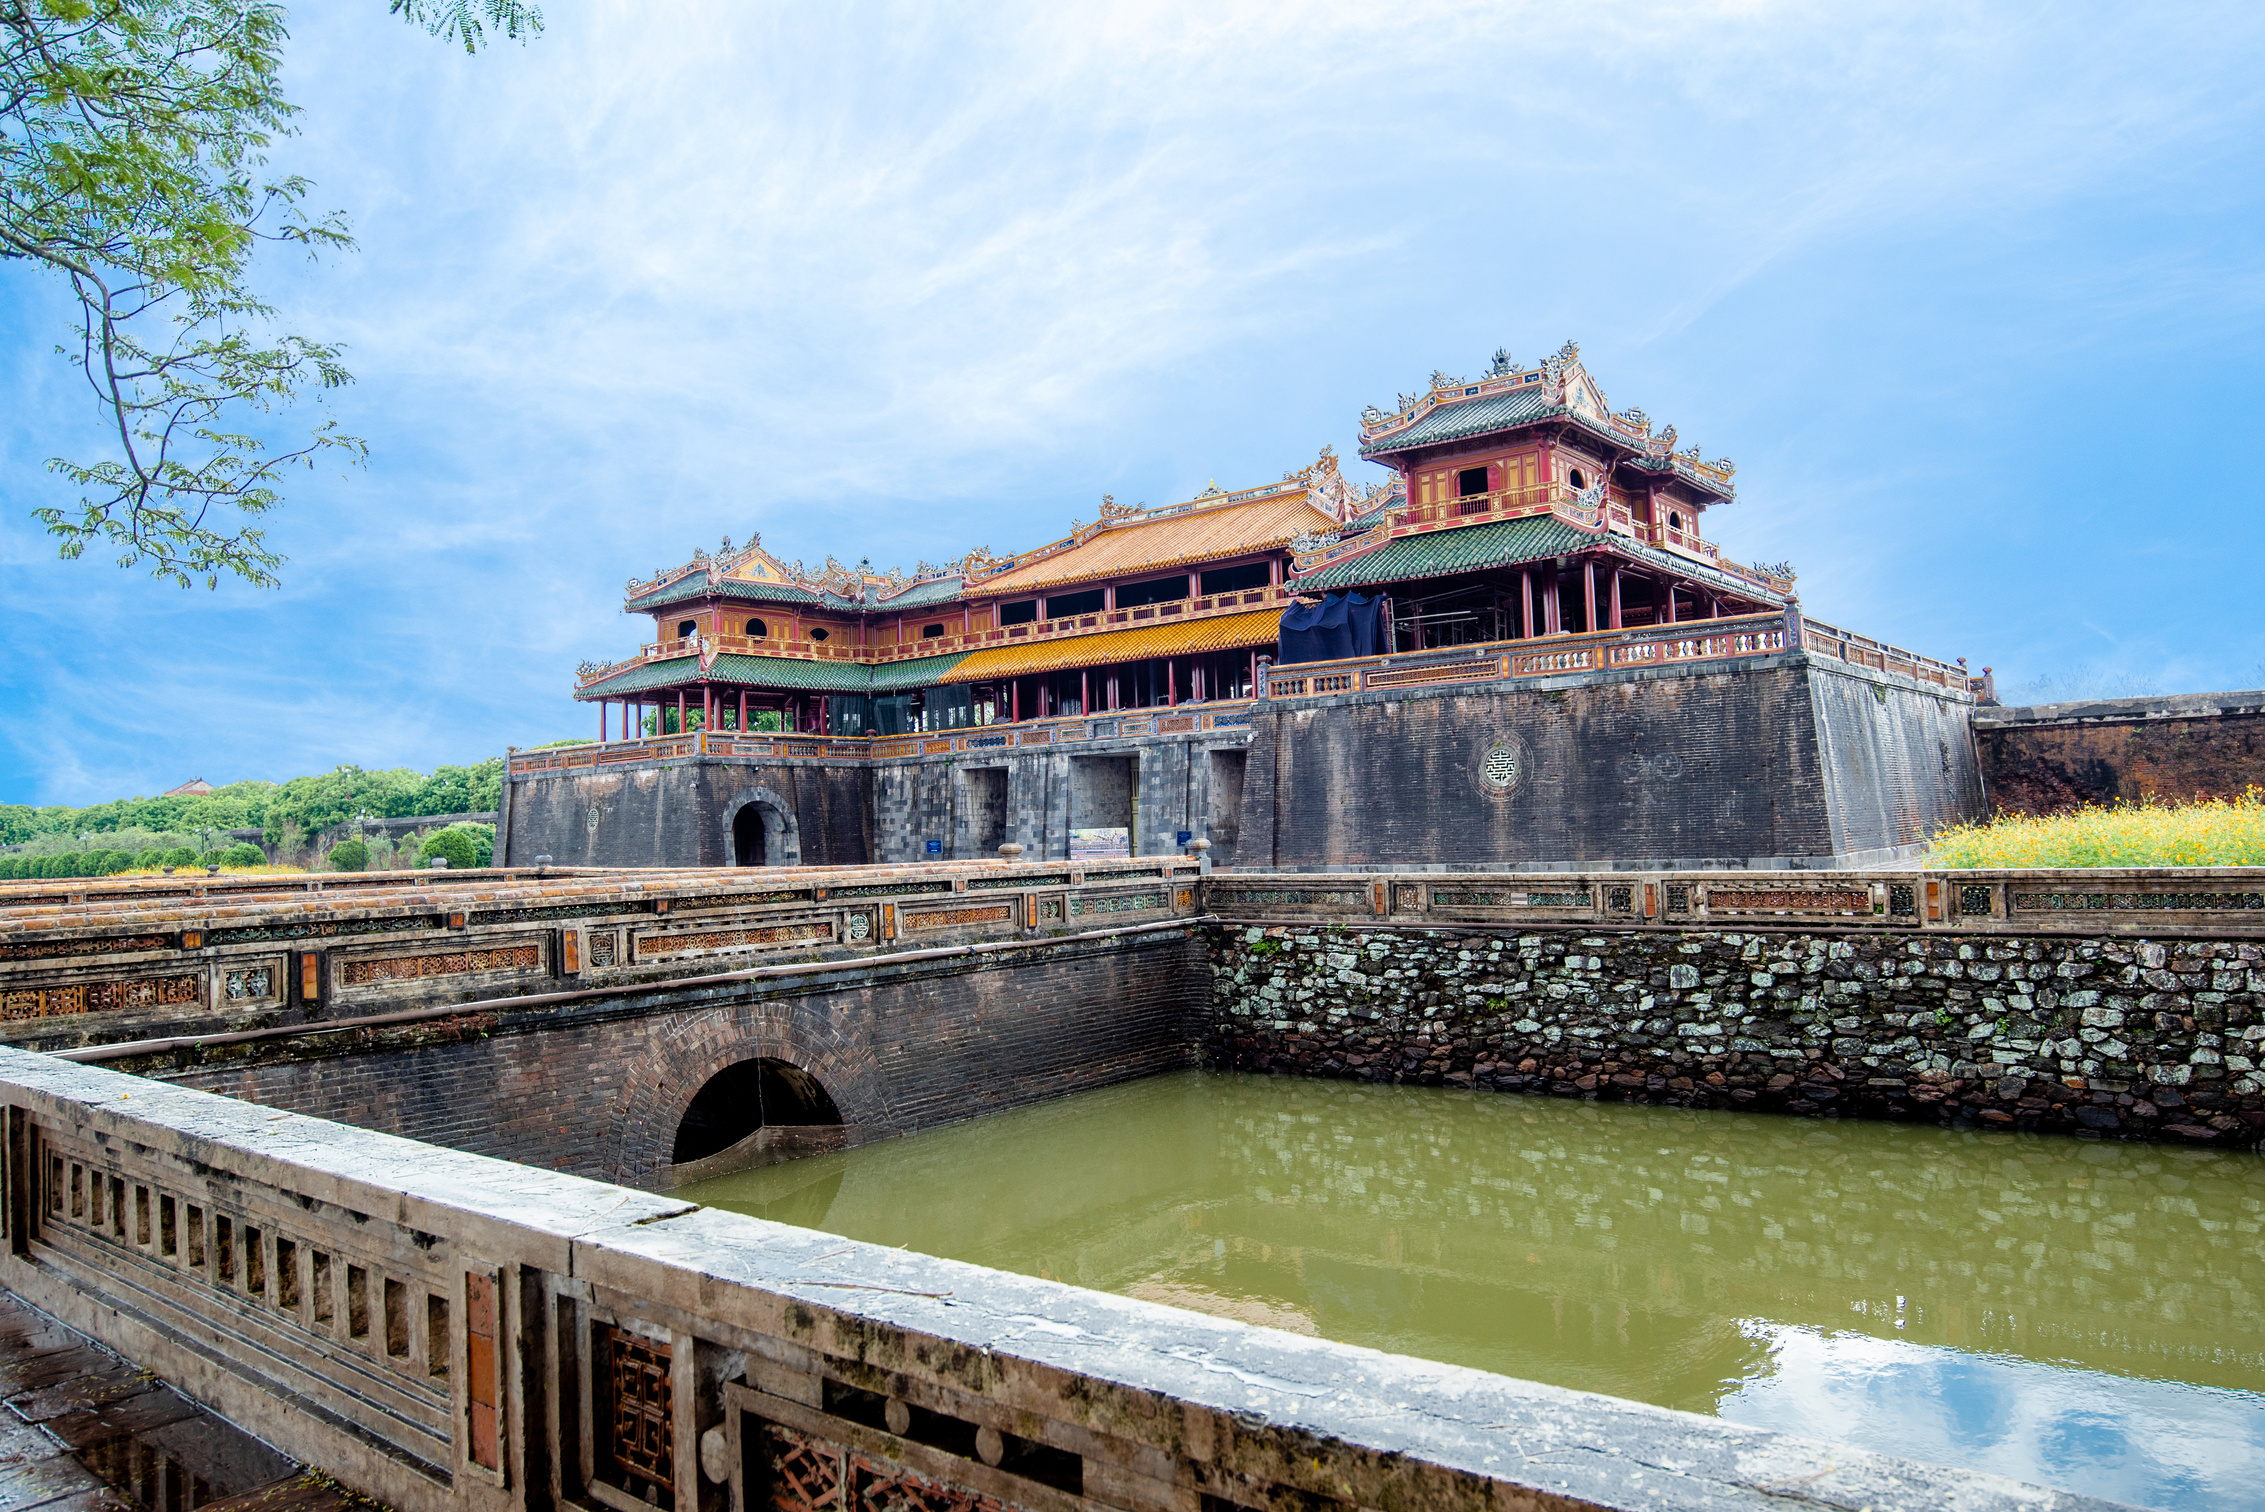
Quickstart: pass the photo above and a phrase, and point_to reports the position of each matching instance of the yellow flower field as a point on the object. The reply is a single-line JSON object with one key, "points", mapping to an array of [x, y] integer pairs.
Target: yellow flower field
{"points": [[2209, 832]]}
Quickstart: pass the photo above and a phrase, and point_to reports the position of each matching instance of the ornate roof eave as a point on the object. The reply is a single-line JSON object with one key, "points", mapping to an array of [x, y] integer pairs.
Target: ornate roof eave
{"points": [[1317, 480], [1569, 396]]}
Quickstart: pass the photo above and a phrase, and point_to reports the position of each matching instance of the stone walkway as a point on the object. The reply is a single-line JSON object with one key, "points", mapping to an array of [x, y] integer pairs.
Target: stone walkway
{"points": [[86, 1431]]}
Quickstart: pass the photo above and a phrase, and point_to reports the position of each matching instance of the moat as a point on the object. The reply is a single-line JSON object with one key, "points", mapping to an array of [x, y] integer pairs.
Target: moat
{"points": [[2077, 1313]]}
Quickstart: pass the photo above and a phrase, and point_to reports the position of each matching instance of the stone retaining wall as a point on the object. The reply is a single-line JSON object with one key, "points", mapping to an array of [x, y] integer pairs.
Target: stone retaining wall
{"points": [[2103, 1037]]}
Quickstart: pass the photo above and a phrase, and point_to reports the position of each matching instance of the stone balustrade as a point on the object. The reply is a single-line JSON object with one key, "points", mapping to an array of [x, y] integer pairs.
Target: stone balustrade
{"points": [[102, 960], [442, 1330]]}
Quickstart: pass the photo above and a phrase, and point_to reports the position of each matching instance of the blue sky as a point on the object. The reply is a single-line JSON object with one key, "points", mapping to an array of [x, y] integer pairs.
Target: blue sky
{"points": [[1972, 295]]}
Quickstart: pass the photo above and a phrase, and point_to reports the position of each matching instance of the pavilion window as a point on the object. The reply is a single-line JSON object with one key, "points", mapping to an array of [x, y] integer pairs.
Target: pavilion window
{"points": [[1471, 480], [757, 630], [1162, 590], [1063, 605], [820, 633], [932, 632], [1023, 613], [1578, 479], [686, 629], [1237, 579]]}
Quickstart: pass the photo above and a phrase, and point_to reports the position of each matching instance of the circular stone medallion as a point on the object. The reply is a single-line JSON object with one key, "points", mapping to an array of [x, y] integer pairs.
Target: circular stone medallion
{"points": [[1500, 766]]}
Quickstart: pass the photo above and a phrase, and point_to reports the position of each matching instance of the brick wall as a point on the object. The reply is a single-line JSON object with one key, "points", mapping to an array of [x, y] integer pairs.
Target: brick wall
{"points": [[600, 1091], [1639, 766], [679, 812], [2119, 1038], [2050, 758]]}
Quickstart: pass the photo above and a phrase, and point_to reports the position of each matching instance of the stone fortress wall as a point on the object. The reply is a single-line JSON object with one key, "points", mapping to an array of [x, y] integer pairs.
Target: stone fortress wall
{"points": [[2045, 758], [1785, 760]]}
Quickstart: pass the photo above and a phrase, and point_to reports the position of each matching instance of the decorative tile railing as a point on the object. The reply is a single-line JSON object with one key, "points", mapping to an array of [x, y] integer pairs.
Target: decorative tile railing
{"points": [[120, 961], [2217, 902]]}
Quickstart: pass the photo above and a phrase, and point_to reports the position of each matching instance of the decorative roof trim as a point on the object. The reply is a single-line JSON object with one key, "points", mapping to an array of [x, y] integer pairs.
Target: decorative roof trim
{"points": [[1566, 391]]}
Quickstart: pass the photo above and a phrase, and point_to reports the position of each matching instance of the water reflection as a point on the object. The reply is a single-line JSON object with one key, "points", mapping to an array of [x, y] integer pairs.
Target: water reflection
{"points": [[2084, 1314]]}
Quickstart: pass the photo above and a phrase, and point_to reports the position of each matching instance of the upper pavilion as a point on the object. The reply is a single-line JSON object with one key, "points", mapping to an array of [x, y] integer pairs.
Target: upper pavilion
{"points": [[1521, 506]]}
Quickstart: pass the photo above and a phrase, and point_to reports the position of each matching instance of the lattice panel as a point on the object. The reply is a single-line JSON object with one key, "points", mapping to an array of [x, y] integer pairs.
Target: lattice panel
{"points": [[2189, 902], [56, 949], [1795, 899], [767, 937], [249, 984], [1117, 903], [101, 997], [1291, 896], [642, 1444], [602, 947], [889, 1488], [953, 918], [447, 963], [805, 1473]]}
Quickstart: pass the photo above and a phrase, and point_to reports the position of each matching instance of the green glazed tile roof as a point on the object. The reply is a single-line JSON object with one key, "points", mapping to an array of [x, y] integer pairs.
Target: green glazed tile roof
{"points": [[1468, 549], [1469, 417], [934, 591], [778, 672], [1506, 543], [695, 585], [924, 672]]}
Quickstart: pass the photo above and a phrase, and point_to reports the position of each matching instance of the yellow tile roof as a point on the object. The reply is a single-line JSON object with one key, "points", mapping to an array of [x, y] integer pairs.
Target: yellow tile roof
{"points": [[1175, 540], [1179, 638]]}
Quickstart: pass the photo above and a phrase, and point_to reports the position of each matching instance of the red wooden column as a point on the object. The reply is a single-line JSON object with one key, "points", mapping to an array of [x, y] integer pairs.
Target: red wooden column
{"points": [[1616, 598], [1552, 606], [1171, 684], [707, 707], [1526, 606], [680, 711], [1669, 585], [1014, 701], [601, 721], [1084, 691], [1589, 594]]}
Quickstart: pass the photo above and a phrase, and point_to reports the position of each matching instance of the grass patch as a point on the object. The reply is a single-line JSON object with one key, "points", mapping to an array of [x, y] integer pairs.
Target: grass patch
{"points": [[2207, 832]]}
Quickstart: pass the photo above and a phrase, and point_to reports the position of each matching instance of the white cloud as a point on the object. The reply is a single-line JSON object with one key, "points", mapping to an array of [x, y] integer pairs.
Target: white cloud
{"points": [[892, 281]]}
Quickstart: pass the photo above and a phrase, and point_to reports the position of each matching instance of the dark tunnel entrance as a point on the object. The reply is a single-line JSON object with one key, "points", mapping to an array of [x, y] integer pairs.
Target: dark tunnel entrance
{"points": [[747, 836], [740, 1099]]}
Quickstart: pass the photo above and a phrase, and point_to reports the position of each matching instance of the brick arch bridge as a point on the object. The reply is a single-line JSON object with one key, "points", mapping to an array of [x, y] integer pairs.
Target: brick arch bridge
{"points": [[599, 1087]]}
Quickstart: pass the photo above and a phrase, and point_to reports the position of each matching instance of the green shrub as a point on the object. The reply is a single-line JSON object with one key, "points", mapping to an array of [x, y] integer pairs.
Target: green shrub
{"points": [[350, 855], [11, 868], [483, 842], [179, 855], [454, 843], [243, 853]]}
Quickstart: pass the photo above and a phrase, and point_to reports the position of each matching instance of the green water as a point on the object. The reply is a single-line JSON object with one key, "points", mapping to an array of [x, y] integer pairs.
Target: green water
{"points": [[2082, 1314]]}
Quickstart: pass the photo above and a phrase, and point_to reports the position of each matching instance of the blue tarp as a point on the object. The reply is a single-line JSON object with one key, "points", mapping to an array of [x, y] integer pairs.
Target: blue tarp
{"points": [[1341, 625]]}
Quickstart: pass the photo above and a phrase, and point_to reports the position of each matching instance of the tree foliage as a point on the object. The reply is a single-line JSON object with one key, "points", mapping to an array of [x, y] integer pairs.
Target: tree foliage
{"points": [[134, 141], [312, 803]]}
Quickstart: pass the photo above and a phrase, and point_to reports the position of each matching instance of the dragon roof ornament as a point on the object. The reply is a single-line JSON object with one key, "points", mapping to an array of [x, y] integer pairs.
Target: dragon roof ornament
{"points": [[1565, 388]]}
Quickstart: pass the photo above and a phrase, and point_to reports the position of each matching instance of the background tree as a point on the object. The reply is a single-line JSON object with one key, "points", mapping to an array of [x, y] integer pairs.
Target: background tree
{"points": [[134, 137]]}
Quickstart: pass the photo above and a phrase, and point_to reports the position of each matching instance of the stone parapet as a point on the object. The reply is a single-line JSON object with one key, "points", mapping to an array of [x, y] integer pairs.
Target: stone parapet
{"points": [[98, 961], [441, 1330]]}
